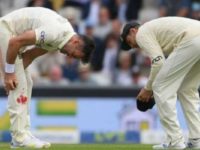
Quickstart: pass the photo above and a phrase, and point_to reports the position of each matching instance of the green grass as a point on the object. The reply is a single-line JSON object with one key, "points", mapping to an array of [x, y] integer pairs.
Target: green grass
{"points": [[5, 146]]}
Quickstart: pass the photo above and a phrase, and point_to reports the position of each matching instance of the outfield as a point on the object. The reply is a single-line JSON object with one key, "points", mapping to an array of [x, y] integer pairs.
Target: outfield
{"points": [[5, 146]]}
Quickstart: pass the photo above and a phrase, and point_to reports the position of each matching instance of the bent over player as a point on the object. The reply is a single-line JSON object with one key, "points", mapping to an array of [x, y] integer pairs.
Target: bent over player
{"points": [[48, 31], [173, 44]]}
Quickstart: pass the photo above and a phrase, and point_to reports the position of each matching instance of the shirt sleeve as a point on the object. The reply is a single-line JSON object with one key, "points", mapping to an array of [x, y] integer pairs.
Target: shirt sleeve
{"points": [[45, 35], [56, 37], [147, 42]]}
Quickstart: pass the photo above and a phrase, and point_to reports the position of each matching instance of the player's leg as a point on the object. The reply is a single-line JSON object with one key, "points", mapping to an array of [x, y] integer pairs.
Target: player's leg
{"points": [[17, 99], [167, 83], [17, 104], [29, 94], [28, 122], [189, 97]]}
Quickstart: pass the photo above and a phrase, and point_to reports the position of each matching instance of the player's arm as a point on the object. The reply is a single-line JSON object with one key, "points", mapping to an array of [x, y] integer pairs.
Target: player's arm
{"points": [[152, 48], [31, 54], [17, 42], [14, 45]]}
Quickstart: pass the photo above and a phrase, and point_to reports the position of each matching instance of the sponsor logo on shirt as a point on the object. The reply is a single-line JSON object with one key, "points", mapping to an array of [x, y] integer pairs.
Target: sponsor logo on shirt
{"points": [[42, 37], [158, 58]]}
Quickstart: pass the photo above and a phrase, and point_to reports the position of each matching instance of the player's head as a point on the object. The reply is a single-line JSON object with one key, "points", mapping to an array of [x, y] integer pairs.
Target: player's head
{"points": [[80, 47], [128, 35]]}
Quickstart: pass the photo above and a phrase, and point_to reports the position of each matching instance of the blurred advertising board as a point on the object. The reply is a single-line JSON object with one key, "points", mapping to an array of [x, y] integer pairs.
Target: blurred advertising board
{"points": [[88, 120]]}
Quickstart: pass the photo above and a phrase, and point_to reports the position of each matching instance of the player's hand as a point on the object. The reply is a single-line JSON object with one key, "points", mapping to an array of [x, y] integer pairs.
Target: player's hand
{"points": [[10, 81], [144, 95]]}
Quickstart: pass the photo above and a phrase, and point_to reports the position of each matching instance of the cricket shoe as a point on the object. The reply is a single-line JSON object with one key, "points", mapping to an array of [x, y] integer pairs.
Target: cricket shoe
{"points": [[179, 146], [193, 144], [29, 142], [47, 144]]}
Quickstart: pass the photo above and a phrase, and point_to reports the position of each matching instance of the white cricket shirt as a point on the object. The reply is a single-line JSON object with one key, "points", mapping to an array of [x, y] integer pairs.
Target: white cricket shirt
{"points": [[159, 37], [52, 30]]}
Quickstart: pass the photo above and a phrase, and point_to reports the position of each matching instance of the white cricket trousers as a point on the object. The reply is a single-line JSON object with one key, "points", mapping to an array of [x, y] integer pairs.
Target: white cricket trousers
{"points": [[179, 77], [18, 99]]}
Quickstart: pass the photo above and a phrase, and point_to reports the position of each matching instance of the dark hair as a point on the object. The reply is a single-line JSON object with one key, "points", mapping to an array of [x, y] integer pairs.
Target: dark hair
{"points": [[125, 32], [88, 48]]}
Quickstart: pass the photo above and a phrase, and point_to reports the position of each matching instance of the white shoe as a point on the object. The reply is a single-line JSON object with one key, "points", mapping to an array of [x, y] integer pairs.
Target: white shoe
{"points": [[45, 143], [179, 146], [193, 144], [29, 142]]}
